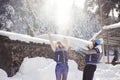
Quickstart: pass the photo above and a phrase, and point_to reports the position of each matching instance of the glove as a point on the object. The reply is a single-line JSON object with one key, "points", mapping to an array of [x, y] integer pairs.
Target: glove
{"points": [[79, 49]]}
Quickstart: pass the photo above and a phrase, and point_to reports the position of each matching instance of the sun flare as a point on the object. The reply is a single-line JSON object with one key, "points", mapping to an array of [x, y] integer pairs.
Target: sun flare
{"points": [[61, 12]]}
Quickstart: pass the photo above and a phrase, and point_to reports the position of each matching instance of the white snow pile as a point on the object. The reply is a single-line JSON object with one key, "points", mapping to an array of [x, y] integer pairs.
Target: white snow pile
{"points": [[40, 68], [72, 41], [107, 72], [43, 69], [3, 75], [23, 37]]}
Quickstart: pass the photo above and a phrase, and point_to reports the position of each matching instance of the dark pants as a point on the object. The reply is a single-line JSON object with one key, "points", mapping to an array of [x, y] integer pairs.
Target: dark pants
{"points": [[88, 72], [61, 71]]}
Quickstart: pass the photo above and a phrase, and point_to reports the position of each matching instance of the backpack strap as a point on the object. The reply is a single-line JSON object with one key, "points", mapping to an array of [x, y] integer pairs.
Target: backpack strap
{"points": [[97, 50], [98, 53]]}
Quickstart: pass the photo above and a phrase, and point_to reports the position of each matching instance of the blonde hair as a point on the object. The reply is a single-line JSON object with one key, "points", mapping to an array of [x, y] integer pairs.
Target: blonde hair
{"points": [[59, 42]]}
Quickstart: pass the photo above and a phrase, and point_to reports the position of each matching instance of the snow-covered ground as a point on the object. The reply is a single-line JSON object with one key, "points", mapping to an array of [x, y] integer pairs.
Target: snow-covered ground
{"points": [[40, 68]]}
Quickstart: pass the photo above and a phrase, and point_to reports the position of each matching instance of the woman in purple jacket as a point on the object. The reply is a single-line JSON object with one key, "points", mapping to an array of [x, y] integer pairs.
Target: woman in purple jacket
{"points": [[61, 58]]}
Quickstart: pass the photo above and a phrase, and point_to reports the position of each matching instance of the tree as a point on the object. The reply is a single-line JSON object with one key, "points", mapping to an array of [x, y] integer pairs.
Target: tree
{"points": [[103, 8]]}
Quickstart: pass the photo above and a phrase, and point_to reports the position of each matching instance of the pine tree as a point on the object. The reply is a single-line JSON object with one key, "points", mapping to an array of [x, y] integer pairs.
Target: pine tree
{"points": [[104, 8]]}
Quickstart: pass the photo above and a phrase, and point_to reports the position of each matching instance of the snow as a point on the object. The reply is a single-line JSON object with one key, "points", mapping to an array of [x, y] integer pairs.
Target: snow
{"points": [[117, 25], [94, 37], [40, 68], [3, 75], [22, 37], [107, 72], [46, 15], [72, 41], [112, 26]]}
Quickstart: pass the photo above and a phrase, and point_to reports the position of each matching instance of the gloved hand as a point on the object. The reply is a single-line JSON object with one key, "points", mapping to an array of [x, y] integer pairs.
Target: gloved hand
{"points": [[78, 49]]}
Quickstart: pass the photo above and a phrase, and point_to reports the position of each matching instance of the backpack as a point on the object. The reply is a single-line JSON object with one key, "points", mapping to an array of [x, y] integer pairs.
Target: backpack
{"points": [[61, 56], [93, 58]]}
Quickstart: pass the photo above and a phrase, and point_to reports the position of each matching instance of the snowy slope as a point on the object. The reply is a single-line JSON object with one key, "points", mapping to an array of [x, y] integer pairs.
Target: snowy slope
{"points": [[44, 69]]}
